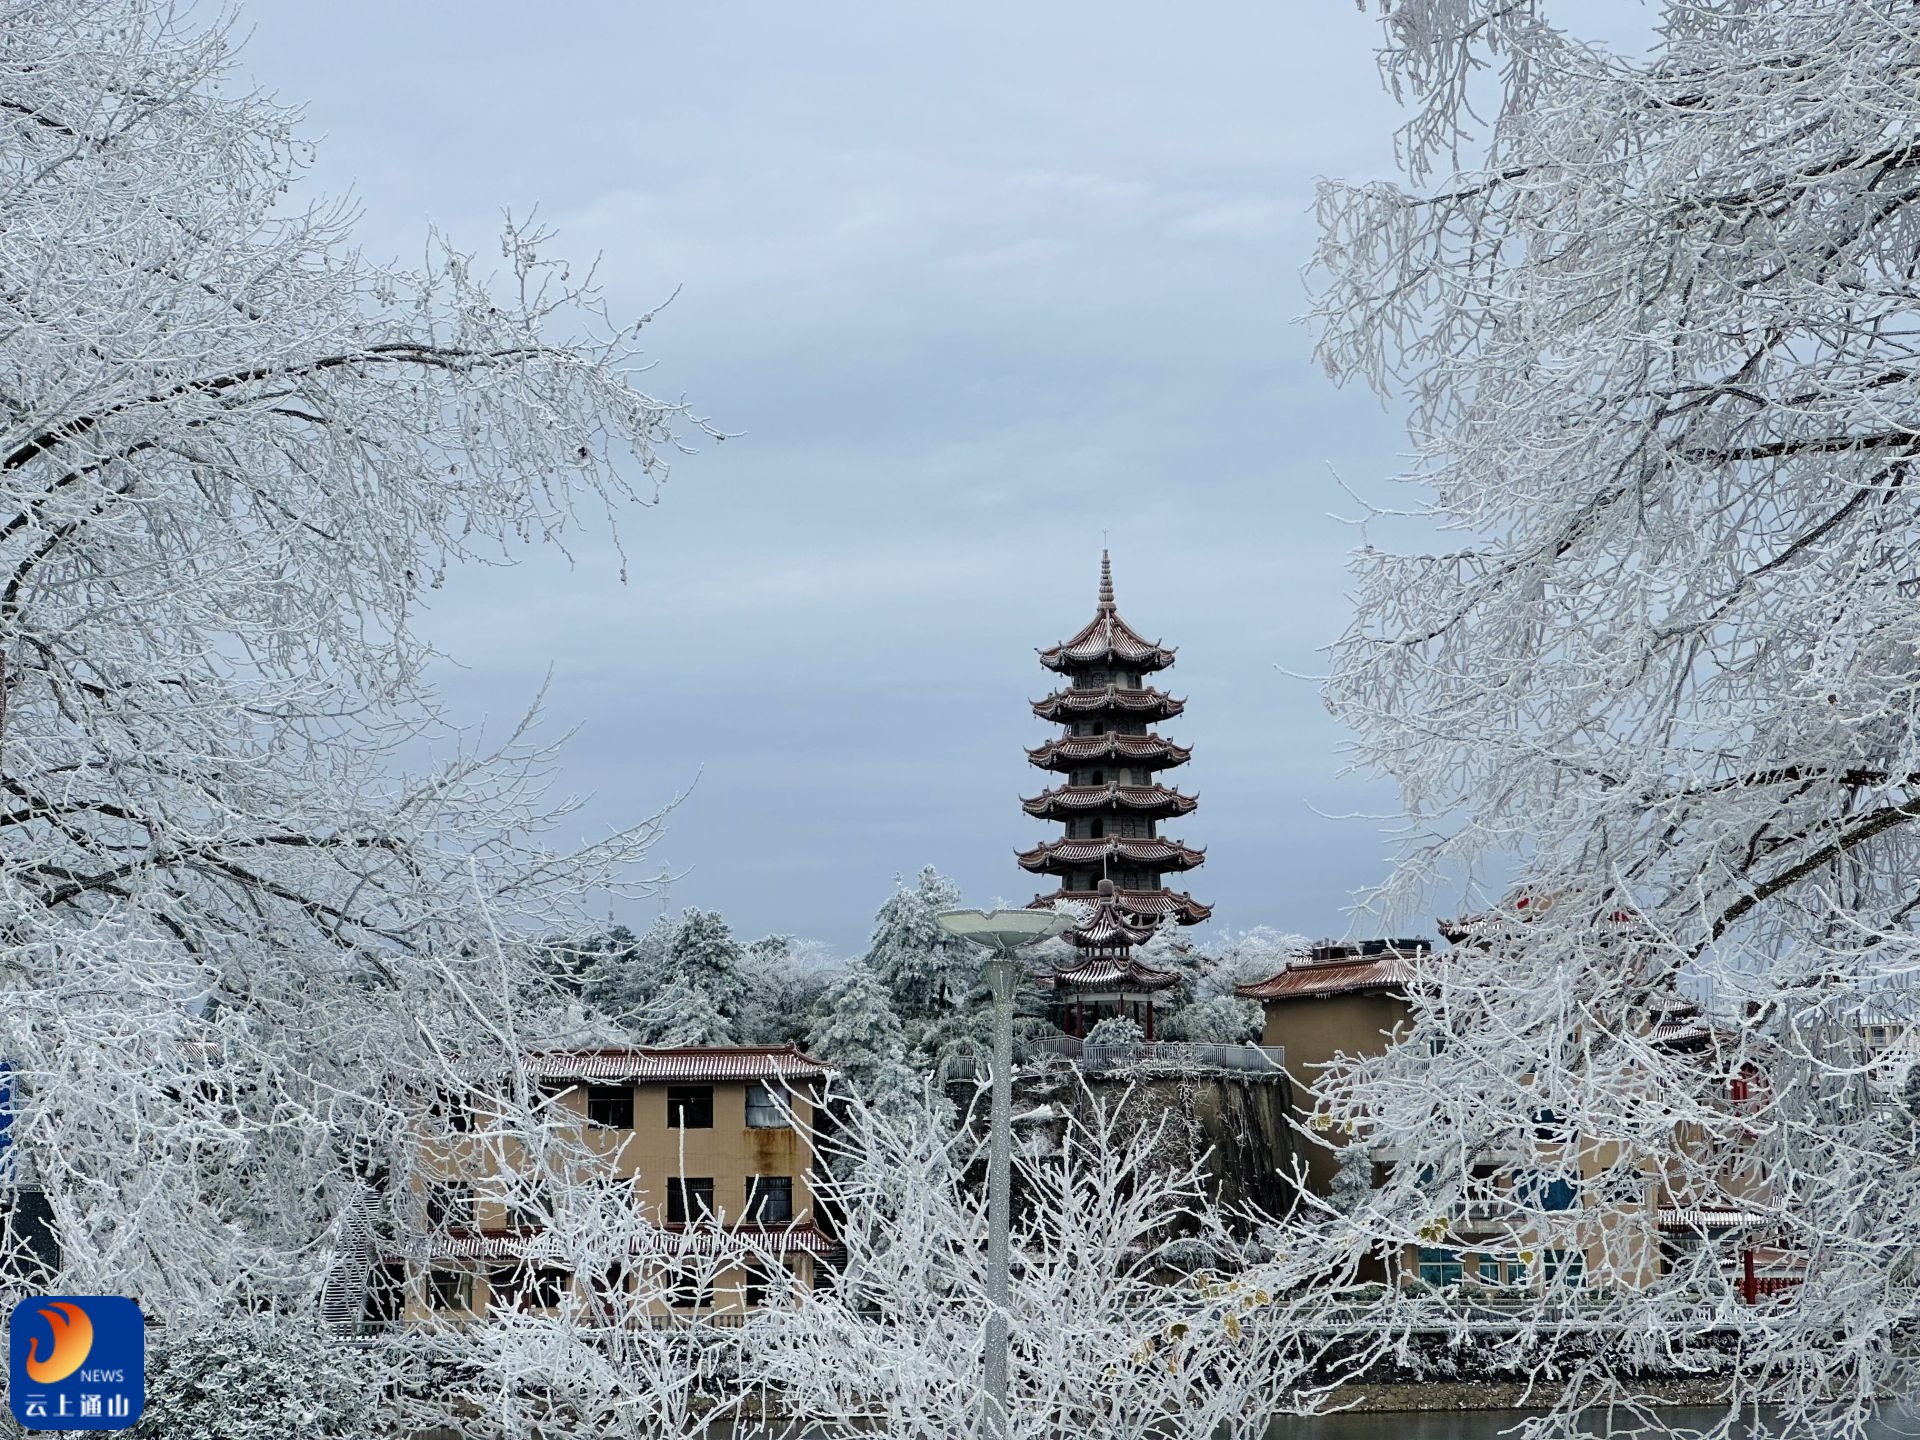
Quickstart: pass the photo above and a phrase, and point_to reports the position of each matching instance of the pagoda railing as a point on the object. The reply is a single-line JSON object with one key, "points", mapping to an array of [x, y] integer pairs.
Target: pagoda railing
{"points": [[1172, 1053]]}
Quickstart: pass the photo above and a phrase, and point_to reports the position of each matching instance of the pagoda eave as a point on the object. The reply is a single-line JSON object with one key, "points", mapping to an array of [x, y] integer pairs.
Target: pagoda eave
{"points": [[1060, 856], [1072, 751], [1151, 801], [1145, 703], [1110, 972], [1153, 904]]}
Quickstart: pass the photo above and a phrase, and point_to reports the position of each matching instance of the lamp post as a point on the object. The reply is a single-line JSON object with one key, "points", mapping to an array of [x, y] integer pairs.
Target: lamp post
{"points": [[1002, 933]]}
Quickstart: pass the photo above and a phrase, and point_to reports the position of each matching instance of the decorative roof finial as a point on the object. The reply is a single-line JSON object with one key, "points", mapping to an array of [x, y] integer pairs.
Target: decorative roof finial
{"points": [[1106, 582]]}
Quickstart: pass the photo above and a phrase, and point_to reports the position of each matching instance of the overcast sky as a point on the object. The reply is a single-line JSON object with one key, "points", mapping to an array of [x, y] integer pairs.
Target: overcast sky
{"points": [[973, 283]]}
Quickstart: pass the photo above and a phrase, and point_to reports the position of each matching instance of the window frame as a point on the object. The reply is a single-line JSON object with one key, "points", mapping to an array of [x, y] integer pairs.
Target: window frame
{"points": [[1438, 1262], [679, 1189], [686, 1104], [689, 1286], [762, 1103], [621, 1098], [761, 1188], [437, 1293]]}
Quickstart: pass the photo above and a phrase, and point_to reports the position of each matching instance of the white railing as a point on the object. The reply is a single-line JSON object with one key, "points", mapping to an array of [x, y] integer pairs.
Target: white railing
{"points": [[1096, 1059]]}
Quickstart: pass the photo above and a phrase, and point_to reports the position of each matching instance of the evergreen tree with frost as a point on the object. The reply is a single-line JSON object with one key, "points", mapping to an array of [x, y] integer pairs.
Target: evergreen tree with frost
{"points": [[255, 1378], [627, 970], [1353, 1180], [705, 955], [785, 982], [860, 1035], [1116, 1030], [684, 1013], [925, 970], [1215, 1020]]}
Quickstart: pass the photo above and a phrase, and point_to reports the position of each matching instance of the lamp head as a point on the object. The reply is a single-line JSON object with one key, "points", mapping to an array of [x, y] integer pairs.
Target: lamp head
{"points": [[1004, 931]]}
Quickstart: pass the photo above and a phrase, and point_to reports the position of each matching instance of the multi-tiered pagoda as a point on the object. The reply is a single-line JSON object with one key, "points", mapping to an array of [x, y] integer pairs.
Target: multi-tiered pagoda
{"points": [[1112, 802]]}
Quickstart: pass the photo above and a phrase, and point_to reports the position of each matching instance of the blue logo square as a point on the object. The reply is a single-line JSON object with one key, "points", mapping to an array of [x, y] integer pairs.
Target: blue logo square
{"points": [[76, 1362]]}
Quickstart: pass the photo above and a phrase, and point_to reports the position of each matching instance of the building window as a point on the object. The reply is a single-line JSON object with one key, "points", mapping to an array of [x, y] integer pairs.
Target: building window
{"points": [[1440, 1267], [1546, 1193], [449, 1289], [764, 1110], [1566, 1269], [610, 1106], [1497, 1273], [690, 1107], [1097, 829], [689, 1287], [1099, 777], [689, 1201], [449, 1205], [526, 1289], [769, 1199], [455, 1109], [386, 1294], [761, 1277]]}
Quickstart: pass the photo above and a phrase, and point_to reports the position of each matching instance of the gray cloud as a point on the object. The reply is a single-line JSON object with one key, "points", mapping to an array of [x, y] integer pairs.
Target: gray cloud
{"points": [[974, 283]]}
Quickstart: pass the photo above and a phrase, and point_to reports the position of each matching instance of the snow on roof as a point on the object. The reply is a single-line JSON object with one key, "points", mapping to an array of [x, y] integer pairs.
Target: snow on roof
{"points": [[644, 1064], [668, 1241]]}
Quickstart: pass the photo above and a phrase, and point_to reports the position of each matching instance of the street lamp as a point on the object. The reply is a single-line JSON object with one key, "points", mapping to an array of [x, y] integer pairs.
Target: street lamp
{"points": [[1002, 933]]}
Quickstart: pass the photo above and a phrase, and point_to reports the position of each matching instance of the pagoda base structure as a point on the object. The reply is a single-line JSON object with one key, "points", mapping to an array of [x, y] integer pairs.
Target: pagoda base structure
{"points": [[1107, 980]]}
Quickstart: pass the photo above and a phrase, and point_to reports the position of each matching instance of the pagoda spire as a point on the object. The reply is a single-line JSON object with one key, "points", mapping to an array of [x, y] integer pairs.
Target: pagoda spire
{"points": [[1106, 582]]}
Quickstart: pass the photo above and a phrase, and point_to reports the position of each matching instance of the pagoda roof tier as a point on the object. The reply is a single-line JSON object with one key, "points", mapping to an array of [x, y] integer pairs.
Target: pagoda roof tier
{"points": [[1113, 972], [1137, 904], [1109, 928], [1106, 638], [1156, 801], [1071, 704], [1150, 850], [1071, 751]]}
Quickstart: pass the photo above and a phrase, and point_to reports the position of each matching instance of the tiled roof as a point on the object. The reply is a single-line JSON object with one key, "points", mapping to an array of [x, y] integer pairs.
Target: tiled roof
{"points": [[1146, 701], [642, 1064], [1107, 637], [1154, 800], [1154, 903], [1106, 926], [539, 1245], [1106, 972], [1343, 975], [1071, 750], [1137, 849]]}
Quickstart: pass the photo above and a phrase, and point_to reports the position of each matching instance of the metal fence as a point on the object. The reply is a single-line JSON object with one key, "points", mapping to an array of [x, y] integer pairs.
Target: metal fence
{"points": [[1100, 1059]]}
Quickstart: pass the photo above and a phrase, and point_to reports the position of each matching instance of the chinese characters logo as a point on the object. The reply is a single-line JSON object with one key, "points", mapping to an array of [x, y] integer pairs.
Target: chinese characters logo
{"points": [[76, 1362]]}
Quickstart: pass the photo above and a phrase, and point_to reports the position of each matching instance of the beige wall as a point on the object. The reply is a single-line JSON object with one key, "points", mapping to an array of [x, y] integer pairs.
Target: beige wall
{"points": [[1314, 1030], [731, 1154]]}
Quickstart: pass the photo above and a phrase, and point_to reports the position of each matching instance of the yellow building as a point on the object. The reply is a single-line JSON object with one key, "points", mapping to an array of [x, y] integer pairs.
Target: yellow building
{"points": [[1352, 1000], [685, 1174]]}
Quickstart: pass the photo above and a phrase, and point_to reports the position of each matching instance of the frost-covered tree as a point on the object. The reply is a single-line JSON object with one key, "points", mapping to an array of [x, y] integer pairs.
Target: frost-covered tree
{"points": [[1215, 1020], [1116, 1030], [1126, 1313], [925, 969], [682, 1014], [258, 1378], [859, 1034], [1352, 1180], [786, 981], [236, 456], [1652, 690]]}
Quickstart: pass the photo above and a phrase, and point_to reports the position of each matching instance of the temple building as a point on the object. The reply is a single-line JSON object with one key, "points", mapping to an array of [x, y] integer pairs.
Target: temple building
{"points": [[1112, 858]]}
